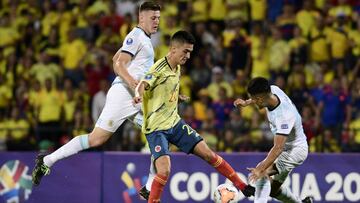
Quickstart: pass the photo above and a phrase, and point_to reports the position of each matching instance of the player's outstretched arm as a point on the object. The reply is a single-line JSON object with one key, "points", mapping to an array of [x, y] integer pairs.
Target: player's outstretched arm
{"points": [[242, 103], [139, 91], [120, 61], [261, 168]]}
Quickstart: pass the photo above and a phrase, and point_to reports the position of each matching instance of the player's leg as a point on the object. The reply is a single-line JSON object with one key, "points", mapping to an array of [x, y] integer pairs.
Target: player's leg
{"points": [[144, 192], [262, 190], [162, 165], [75, 145], [283, 194], [189, 141], [152, 173], [263, 186], [117, 108], [159, 148], [82, 142], [285, 163], [223, 167]]}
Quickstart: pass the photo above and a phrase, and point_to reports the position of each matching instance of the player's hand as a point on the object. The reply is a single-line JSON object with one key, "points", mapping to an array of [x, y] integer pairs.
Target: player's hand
{"points": [[242, 103], [137, 100], [184, 97], [132, 83], [255, 174]]}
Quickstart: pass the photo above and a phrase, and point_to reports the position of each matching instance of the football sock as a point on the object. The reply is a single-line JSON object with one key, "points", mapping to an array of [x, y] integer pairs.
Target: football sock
{"points": [[157, 188], [262, 191], [285, 195], [226, 170], [75, 145], [151, 176]]}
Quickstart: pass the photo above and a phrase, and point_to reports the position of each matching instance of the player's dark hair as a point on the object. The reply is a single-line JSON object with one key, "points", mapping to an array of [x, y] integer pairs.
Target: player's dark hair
{"points": [[258, 85], [183, 37], [149, 6]]}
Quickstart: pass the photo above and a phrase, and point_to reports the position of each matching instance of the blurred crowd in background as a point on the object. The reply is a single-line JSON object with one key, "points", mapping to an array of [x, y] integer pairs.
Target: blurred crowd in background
{"points": [[56, 67]]}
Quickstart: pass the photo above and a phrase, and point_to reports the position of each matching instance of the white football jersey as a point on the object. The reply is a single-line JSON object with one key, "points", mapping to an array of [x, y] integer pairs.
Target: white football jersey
{"points": [[138, 44], [286, 120]]}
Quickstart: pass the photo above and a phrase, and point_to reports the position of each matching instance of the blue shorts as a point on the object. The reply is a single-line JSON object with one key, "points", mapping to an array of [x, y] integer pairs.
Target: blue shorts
{"points": [[181, 135]]}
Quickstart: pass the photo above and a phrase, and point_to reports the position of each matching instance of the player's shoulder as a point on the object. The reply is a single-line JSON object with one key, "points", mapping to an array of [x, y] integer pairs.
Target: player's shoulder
{"points": [[275, 89], [135, 35], [160, 65]]}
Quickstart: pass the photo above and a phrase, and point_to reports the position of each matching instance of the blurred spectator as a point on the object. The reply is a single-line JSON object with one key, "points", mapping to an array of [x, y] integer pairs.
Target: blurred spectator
{"points": [[257, 10], [238, 124], [310, 123], [298, 48], [96, 70], [3, 132], [238, 54], [189, 117], [44, 70], [49, 105], [259, 53], [18, 134], [306, 17], [99, 99], [201, 105], [335, 108], [287, 22], [69, 105], [200, 73], [185, 83], [222, 107], [218, 82], [279, 54], [55, 56], [71, 53]]}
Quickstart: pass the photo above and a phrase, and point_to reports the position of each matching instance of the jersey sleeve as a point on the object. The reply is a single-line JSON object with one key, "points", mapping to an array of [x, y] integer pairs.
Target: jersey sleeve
{"points": [[284, 125], [151, 78], [131, 45]]}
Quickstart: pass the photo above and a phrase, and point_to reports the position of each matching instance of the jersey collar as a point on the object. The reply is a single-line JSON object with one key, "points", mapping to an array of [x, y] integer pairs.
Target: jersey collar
{"points": [[272, 109], [144, 32]]}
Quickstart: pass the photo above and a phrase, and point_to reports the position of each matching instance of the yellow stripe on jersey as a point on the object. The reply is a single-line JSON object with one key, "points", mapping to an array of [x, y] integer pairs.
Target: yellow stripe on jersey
{"points": [[160, 99]]}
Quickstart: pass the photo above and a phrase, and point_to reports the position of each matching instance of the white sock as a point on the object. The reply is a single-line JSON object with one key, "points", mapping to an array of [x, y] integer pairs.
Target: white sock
{"points": [[262, 190], [152, 174], [287, 196], [75, 145]]}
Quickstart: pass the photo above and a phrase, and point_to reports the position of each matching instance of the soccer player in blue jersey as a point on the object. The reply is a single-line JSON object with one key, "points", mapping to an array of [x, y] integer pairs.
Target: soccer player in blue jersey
{"points": [[159, 93]]}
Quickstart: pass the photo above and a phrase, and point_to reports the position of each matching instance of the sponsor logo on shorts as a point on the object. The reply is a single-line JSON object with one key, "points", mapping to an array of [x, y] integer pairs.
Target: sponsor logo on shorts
{"points": [[110, 123], [157, 148], [129, 41], [284, 126]]}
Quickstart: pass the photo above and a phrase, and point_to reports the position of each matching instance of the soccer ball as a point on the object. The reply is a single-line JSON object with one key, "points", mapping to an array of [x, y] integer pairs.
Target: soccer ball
{"points": [[226, 193]]}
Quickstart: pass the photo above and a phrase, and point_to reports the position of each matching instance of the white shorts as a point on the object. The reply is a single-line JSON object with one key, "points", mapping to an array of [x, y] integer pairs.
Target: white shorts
{"points": [[119, 107], [288, 160]]}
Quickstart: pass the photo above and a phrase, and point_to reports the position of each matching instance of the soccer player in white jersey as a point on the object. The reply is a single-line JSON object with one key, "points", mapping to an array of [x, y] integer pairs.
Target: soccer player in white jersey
{"points": [[130, 63], [290, 148]]}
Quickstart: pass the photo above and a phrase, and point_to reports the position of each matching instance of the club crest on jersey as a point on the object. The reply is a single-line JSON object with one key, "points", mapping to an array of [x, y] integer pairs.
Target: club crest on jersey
{"points": [[129, 41], [157, 148], [284, 126], [148, 77]]}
